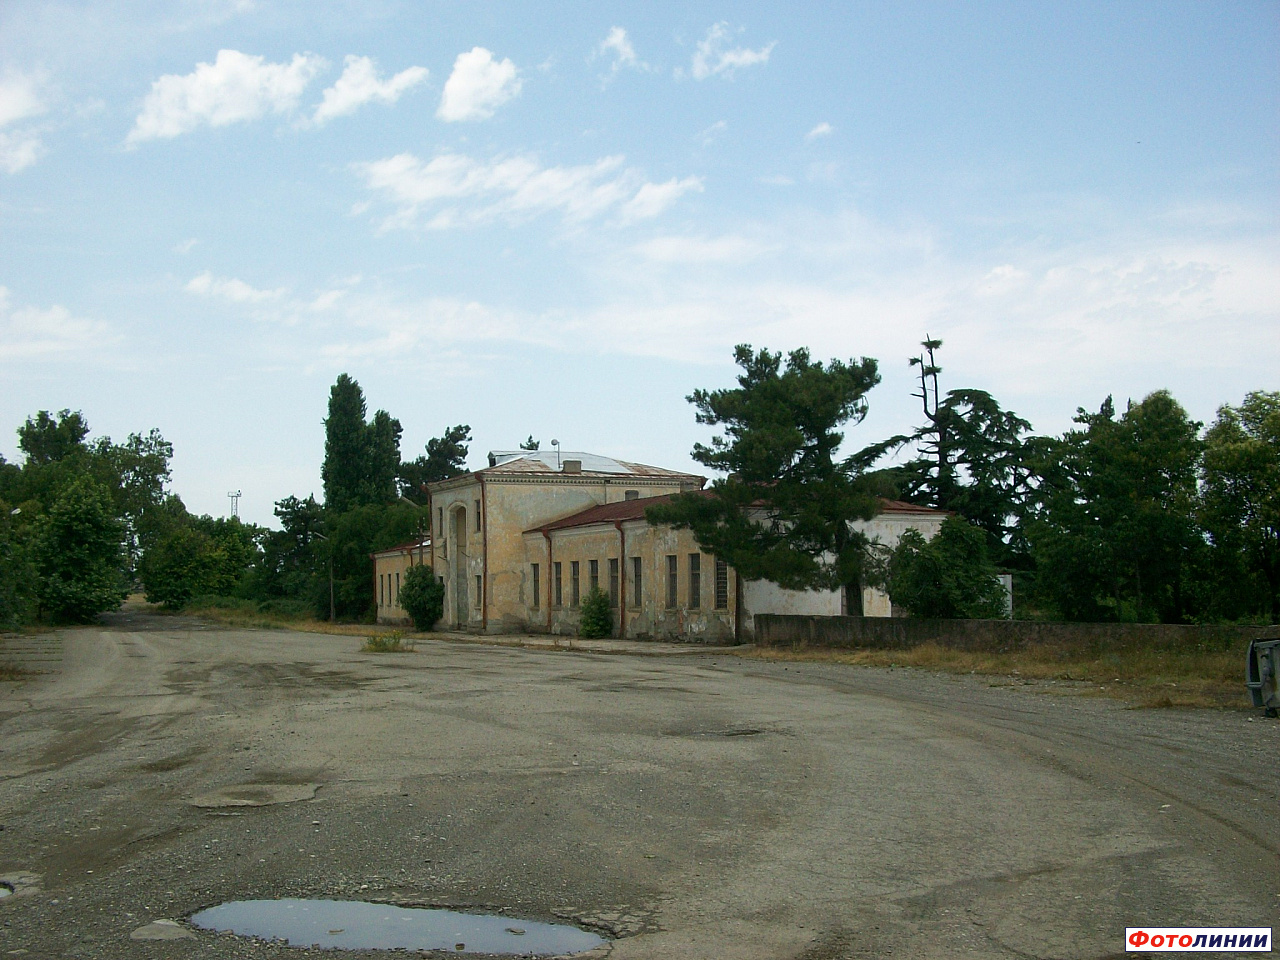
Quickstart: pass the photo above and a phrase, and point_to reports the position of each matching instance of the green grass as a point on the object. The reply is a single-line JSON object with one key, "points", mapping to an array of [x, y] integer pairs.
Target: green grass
{"points": [[1143, 676]]}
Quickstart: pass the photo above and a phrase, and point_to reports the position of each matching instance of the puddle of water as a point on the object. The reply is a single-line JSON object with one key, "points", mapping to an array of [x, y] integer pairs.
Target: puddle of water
{"points": [[355, 925], [5, 890]]}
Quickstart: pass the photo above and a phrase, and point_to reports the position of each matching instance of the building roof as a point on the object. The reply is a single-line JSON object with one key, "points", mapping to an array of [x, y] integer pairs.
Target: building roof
{"points": [[901, 506], [624, 510], [549, 461], [419, 543], [604, 513]]}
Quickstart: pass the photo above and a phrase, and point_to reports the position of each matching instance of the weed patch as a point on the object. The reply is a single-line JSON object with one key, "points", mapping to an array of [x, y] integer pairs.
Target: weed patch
{"points": [[393, 642]]}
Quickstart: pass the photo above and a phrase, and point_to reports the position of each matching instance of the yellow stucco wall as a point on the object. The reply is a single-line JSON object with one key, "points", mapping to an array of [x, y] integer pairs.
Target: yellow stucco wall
{"points": [[509, 506], [389, 568]]}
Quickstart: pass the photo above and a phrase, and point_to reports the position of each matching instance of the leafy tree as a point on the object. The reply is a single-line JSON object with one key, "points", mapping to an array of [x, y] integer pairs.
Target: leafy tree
{"points": [[783, 512], [17, 572], [47, 438], [1112, 524], [77, 553], [530, 444], [184, 564], [950, 576], [383, 458], [346, 447], [970, 454], [446, 457], [352, 536], [361, 459], [422, 596], [293, 558], [597, 617], [1240, 497]]}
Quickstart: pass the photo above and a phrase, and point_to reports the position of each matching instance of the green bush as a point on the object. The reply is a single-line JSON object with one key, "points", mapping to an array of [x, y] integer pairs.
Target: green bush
{"points": [[947, 577], [422, 596], [597, 618]]}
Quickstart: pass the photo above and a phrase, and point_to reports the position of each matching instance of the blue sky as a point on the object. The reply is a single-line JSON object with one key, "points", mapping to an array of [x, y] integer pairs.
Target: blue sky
{"points": [[558, 219]]}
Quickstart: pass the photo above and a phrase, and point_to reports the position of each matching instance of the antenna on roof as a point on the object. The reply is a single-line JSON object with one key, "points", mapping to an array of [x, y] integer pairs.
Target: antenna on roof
{"points": [[556, 444]]}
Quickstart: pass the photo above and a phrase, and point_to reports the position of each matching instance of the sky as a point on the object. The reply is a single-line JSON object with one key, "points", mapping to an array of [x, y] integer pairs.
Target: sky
{"points": [[557, 220]]}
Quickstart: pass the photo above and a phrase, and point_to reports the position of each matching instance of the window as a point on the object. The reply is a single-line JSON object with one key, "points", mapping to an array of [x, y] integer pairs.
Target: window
{"points": [[479, 591], [477, 516], [722, 585], [593, 574], [673, 581], [440, 520], [635, 580], [695, 581], [613, 582], [556, 584], [574, 591], [395, 600], [631, 495], [537, 593]]}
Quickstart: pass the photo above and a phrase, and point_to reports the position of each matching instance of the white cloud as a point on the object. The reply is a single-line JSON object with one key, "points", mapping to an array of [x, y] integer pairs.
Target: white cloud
{"points": [[714, 58], [19, 150], [728, 249], [455, 190], [617, 45], [712, 133], [823, 129], [186, 246], [237, 291], [777, 180], [19, 100], [359, 84], [28, 333], [653, 198], [236, 87], [477, 86]]}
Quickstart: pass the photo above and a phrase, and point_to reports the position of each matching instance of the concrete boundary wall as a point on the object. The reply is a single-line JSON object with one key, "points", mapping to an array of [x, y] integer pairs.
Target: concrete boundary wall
{"points": [[901, 633]]}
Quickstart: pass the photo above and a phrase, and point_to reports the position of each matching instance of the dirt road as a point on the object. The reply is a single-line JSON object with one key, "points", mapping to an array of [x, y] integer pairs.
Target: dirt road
{"points": [[692, 806]]}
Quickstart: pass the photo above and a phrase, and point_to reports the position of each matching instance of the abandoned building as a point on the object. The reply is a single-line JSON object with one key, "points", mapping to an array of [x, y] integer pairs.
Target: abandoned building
{"points": [[520, 543]]}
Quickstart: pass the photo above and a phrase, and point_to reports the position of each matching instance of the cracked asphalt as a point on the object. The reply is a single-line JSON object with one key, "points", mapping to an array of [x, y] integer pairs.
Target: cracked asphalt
{"points": [[696, 806]]}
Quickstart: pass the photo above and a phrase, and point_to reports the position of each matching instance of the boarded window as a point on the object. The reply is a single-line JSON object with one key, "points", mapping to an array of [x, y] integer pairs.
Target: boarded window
{"points": [[613, 582], [396, 599], [537, 593], [440, 521], [575, 592], [479, 591], [722, 585], [695, 581], [593, 573], [673, 581], [636, 583], [557, 585], [631, 495]]}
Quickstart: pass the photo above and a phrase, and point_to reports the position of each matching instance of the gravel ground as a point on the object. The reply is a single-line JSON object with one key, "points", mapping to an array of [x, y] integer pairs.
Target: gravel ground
{"points": [[699, 806]]}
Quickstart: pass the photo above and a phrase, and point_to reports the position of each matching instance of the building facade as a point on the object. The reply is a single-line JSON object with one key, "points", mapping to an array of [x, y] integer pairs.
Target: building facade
{"points": [[519, 544], [389, 568]]}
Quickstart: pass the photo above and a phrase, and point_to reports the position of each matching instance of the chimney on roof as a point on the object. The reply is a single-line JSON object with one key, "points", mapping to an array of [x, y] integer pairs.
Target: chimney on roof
{"points": [[571, 466]]}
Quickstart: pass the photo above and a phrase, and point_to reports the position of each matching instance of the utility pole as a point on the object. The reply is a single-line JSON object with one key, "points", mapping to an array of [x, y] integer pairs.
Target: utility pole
{"points": [[320, 536], [234, 495]]}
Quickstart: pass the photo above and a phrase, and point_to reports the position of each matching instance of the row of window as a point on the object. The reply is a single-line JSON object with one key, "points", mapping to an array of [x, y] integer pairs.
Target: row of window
{"points": [[636, 582], [386, 598]]}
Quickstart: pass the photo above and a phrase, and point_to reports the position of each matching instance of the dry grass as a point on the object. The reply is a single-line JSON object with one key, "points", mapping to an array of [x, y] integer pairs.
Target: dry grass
{"points": [[1144, 677], [247, 617]]}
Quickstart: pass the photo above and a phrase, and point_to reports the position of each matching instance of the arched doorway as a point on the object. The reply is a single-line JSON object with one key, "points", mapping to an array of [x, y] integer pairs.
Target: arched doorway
{"points": [[461, 604]]}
